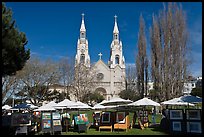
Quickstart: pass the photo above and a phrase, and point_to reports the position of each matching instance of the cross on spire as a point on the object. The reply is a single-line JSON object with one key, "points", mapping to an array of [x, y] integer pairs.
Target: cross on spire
{"points": [[100, 55], [82, 16], [115, 17]]}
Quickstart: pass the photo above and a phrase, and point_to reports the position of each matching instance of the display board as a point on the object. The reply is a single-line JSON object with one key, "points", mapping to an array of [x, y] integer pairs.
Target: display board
{"points": [[46, 115], [177, 120], [106, 120], [106, 116], [20, 119], [81, 122], [46, 123], [194, 122], [81, 119], [56, 122], [193, 114], [176, 114], [120, 117], [194, 127]]}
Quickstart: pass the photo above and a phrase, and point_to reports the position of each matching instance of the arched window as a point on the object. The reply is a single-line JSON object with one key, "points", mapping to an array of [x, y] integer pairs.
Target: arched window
{"points": [[82, 58], [82, 35], [117, 59], [115, 36]]}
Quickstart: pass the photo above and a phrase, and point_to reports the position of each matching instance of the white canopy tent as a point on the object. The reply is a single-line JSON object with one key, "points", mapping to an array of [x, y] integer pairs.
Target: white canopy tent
{"points": [[66, 103], [47, 107], [176, 101], [115, 101], [144, 102], [98, 106], [6, 107], [81, 106]]}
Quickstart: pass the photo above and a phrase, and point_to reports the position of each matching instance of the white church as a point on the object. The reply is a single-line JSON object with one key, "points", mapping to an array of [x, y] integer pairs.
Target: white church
{"points": [[111, 77]]}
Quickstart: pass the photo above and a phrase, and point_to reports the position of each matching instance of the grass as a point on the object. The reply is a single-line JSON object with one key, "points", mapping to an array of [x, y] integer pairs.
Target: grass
{"points": [[134, 131]]}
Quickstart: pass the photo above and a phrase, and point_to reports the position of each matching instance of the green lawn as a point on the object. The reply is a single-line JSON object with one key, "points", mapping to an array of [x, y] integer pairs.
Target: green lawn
{"points": [[134, 131]]}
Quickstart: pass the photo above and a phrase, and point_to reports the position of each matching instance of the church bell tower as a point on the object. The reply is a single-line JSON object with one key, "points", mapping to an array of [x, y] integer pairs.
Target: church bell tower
{"points": [[116, 57], [82, 55]]}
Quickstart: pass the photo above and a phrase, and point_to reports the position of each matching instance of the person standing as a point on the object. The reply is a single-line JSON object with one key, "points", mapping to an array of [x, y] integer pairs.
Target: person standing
{"points": [[154, 115]]}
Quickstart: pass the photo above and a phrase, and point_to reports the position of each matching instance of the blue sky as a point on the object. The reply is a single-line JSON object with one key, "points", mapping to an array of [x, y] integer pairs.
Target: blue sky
{"points": [[52, 28]]}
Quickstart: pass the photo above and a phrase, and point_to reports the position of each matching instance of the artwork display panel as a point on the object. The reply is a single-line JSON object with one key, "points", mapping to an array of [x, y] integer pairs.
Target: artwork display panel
{"points": [[56, 123], [46, 115], [176, 126], [55, 115], [81, 119], [176, 114], [47, 124], [194, 114], [106, 117], [194, 127], [120, 117]]}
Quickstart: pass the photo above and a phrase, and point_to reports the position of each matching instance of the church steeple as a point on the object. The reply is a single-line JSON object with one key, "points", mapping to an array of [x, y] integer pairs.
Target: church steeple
{"points": [[82, 56], [82, 24], [115, 30], [116, 57], [82, 29]]}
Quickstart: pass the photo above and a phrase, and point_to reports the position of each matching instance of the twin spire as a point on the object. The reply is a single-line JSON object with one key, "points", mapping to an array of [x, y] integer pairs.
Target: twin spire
{"points": [[115, 30]]}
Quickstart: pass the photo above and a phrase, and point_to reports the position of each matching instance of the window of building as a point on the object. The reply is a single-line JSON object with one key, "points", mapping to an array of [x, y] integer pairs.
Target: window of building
{"points": [[82, 59], [82, 35], [116, 36], [117, 59]]}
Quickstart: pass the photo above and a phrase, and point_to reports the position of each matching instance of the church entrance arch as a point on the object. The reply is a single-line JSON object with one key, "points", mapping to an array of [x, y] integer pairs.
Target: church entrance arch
{"points": [[101, 91]]}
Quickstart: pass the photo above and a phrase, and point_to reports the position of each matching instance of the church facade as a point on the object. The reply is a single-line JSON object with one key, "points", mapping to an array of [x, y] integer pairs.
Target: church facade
{"points": [[110, 78]]}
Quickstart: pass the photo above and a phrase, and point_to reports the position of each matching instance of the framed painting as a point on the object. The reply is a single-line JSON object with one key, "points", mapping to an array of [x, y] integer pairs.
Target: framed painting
{"points": [[176, 114], [55, 115], [105, 117], [47, 124], [194, 127], [176, 125], [120, 117], [46, 115], [56, 123], [193, 114]]}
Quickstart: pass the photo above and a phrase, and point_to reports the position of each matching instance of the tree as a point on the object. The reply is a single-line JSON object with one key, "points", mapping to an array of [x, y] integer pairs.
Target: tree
{"points": [[131, 78], [66, 69], [14, 54], [197, 91], [9, 86], [169, 50], [142, 61], [83, 82], [129, 94], [95, 98], [36, 77]]}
